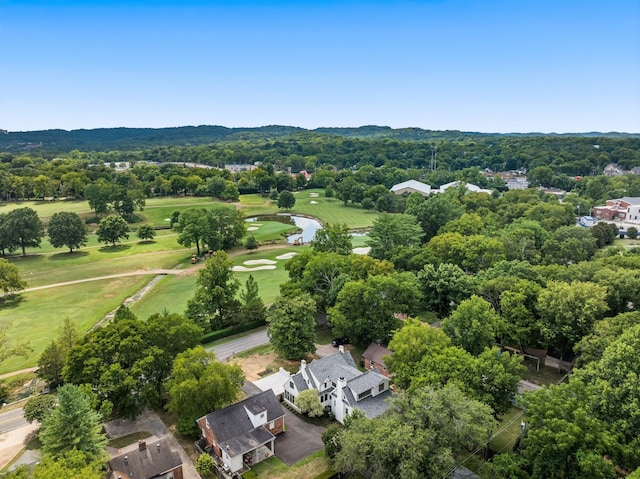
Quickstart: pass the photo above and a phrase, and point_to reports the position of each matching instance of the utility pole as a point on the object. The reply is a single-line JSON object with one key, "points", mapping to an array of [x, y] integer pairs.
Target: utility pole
{"points": [[434, 156]]}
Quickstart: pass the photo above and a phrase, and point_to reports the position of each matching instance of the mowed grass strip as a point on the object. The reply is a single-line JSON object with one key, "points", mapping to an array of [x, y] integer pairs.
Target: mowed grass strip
{"points": [[269, 230], [325, 209], [38, 315], [96, 261], [173, 292]]}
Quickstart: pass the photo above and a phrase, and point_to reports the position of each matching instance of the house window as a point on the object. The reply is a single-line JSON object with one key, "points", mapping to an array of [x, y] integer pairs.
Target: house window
{"points": [[364, 394], [291, 384], [271, 425], [381, 387]]}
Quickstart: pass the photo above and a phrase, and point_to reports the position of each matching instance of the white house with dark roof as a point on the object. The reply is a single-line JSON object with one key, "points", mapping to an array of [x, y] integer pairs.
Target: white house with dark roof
{"points": [[243, 433], [341, 386], [411, 186]]}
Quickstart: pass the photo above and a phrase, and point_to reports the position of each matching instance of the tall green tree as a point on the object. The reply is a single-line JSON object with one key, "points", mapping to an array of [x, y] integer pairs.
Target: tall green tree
{"points": [[67, 229], [10, 280], [73, 425], [286, 200], [367, 310], [473, 325], [390, 231], [112, 229], [146, 232], [214, 304], [444, 287], [568, 311], [420, 437], [292, 325], [252, 308], [199, 385], [333, 237], [25, 228]]}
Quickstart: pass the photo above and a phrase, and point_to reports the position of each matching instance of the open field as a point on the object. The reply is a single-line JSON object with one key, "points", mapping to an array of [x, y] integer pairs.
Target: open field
{"points": [[325, 209], [38, 315], [508, 431], [173, 292]]}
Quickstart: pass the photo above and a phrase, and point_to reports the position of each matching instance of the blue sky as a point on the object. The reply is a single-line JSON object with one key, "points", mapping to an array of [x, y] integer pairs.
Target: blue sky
{"points": [[490, 66]]}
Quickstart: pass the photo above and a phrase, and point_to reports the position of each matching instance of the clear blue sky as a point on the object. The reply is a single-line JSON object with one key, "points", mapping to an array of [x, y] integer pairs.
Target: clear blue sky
{"points": [[471, 65]]}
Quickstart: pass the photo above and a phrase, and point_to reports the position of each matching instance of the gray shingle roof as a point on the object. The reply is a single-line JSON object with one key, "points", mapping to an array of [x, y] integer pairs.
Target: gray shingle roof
{"points": [[334, 367], [372, 406], [233, 427], [146, 464], [369, 380], [299, 382]]}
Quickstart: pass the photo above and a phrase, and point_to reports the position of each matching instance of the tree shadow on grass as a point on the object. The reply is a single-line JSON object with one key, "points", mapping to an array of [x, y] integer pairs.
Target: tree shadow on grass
{"points": [[67, 255], [11, 300], [115, 249]]}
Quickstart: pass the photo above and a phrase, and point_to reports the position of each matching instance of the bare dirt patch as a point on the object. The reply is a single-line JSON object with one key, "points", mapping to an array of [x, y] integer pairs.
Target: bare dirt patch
{"points": [[257, 366]]}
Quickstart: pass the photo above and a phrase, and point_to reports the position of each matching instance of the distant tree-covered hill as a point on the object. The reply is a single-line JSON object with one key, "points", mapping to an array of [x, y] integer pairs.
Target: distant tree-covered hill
{"points": [[109, 139]]}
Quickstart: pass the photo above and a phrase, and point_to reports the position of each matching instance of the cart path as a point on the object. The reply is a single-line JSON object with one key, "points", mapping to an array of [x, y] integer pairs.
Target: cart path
{"points": [[141, 272]]}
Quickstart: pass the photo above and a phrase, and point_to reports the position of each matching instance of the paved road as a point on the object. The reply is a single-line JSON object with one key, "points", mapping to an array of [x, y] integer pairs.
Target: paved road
{"points": [[225, 350], [12, 420]]}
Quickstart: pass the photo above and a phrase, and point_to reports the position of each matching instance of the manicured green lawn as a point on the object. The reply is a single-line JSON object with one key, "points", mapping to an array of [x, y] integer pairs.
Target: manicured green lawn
{"points": [[159, 210], [325, 209], [45, 209], [269, 230], [173, 292], [37, 316], [170, 293], [507, 431]]}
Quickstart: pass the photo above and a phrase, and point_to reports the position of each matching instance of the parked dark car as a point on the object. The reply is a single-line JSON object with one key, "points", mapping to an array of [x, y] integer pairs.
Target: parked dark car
{"points": [[335, 342]]}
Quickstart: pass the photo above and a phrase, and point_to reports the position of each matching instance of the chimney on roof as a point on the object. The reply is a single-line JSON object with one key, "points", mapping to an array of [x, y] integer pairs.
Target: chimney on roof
{"points": [[341, 348], [142, 445], [303, 364]]}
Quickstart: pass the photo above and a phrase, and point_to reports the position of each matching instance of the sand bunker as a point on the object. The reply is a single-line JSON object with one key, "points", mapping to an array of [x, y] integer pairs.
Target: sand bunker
{"points": [[314, 195], [287, 255], [364, 250], [242, 269], [313, 202], [260, 261], [253, 228]]}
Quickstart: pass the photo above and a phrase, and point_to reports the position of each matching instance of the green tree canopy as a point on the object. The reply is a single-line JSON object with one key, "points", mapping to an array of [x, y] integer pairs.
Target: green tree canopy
{"points": [[73, 425], [292, 325], [24, 227], [286, 200], [214, 304], [474, 325], [67, 229], [199, 385], [333, 237], [112, 229], [367, 310]]}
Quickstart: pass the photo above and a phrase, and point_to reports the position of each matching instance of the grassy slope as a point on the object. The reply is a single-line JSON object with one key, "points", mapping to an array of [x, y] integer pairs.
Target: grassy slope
{"points": [[38, 315]]}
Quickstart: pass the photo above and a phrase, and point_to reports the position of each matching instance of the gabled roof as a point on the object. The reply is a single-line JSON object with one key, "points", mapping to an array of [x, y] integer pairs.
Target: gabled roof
{"points": [[375, 352], [334, 367], [371, 406], [413, 184], [233, 427], [365, 381], [632, 200], [151, 462]]}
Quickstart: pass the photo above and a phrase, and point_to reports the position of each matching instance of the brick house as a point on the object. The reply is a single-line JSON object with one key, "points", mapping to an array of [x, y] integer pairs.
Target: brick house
{"points": [[373, 358], [341, 386], [243, 433], [153, 461]]}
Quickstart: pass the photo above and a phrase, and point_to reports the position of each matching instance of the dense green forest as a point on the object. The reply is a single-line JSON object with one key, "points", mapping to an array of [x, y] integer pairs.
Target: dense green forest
{"points": [[299, 149]]}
